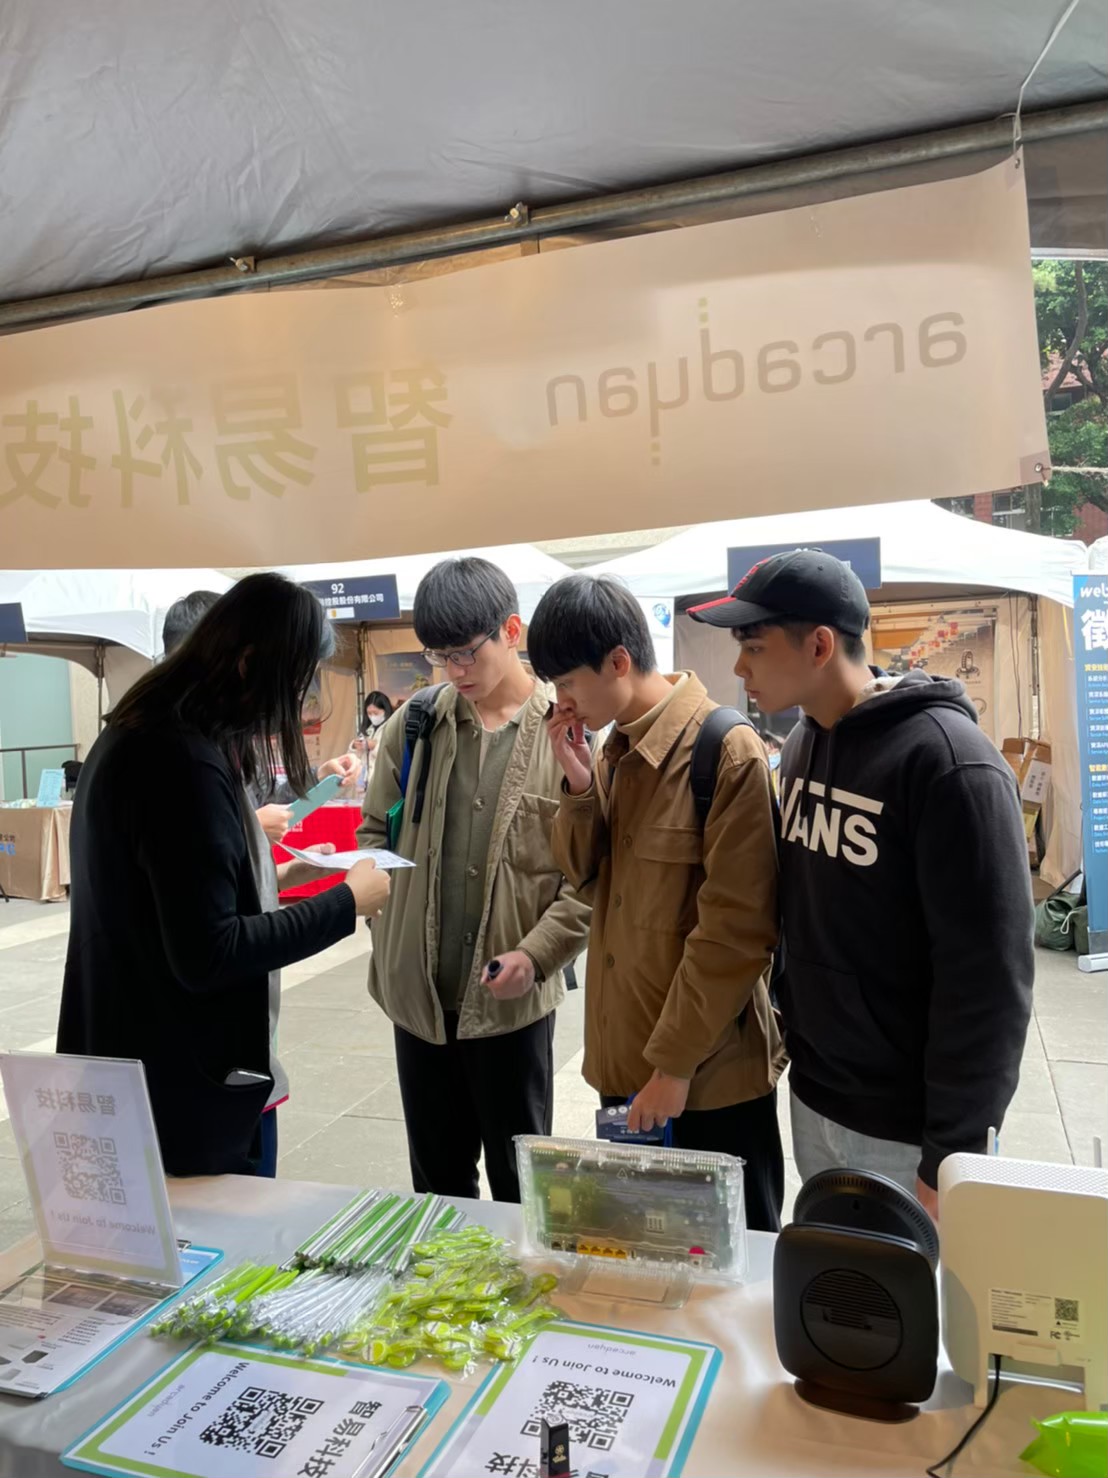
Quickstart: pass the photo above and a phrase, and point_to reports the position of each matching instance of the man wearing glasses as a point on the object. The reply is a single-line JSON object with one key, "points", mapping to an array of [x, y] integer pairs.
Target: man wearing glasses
{"points": [[468, 957]]}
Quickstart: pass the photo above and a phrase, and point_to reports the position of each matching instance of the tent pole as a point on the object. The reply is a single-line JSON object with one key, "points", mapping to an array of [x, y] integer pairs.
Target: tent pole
{"points": [[523, 224], [359, 686], [99, 686], [1036, 700]]}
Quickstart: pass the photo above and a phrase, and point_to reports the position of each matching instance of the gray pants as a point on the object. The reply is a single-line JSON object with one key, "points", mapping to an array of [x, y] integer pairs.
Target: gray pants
{"points": [[821, 1144]]}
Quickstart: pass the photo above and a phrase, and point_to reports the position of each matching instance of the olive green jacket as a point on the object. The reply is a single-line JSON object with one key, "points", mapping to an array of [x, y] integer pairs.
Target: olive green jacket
{"points": [[528, 903]]}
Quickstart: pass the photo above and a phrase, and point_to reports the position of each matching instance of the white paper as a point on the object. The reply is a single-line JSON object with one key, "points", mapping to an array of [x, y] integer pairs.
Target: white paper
{"points": [[86, 1137], [234, 1411], [344, 861], [52, 1327], [618, 1392]]}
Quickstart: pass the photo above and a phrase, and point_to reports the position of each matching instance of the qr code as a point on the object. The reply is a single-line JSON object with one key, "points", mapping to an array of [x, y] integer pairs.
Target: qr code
{"points": [[594, 1415], [1066, 1310], [261, 1422], [90, 1168]]}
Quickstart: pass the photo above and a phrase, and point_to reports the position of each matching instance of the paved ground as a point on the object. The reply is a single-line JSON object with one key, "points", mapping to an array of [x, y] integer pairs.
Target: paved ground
{"points": [[343, 1123]]}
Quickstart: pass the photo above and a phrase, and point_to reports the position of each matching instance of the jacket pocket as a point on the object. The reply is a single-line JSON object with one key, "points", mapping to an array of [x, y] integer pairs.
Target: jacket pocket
{"points": [[528, 843], [831, 1033], [205, 1126], [665, 879]]}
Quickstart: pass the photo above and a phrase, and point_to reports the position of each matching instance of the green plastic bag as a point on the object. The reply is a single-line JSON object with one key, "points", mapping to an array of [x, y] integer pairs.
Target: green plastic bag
{"points": [[1071, 1445], [1054, 920]]}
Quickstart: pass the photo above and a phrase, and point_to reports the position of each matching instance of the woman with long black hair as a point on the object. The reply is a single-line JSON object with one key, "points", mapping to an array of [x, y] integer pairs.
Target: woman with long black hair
{"points": [[174, 929]]}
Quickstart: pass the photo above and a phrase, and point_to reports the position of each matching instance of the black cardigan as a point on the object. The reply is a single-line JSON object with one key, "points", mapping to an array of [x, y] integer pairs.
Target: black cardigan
{"points": [[169, 951]]}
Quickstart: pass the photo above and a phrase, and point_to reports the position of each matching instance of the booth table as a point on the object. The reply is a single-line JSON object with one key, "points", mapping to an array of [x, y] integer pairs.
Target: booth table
{"points": [[754, 1426], [34, 851], [337, 822]]}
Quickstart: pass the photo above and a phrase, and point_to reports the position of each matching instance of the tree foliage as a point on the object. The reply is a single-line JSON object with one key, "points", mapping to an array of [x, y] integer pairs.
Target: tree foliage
{"points": [[1071, 306]]}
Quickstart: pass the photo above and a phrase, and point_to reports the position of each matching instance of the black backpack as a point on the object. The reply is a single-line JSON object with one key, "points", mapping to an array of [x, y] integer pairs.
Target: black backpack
{"points": [[705, 758], [419, 723]]}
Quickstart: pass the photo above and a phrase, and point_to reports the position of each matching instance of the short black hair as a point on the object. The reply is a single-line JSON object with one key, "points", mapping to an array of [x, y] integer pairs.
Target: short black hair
{"points": [[183, 615], [460, 599], [583, 618], [854, 648]]}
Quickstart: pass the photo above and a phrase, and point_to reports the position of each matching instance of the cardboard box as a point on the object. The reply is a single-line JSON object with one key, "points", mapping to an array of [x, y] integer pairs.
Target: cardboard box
{"points": [[1030, 761]]}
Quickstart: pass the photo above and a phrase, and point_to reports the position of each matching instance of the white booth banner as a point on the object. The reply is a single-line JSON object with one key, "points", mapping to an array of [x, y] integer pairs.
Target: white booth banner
{"points": [[843, 353]]}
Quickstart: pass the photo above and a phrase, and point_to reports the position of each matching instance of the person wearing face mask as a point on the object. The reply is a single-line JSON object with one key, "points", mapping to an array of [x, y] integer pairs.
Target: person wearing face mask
{"points": [[467, 961], [376, 710]]}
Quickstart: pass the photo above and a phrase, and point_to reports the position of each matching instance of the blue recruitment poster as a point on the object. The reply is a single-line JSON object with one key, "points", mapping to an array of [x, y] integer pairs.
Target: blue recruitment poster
{"points": [[1090, 619]]}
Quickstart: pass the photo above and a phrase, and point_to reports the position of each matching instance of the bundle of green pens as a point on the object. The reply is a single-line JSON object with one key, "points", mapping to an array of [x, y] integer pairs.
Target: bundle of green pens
{"points": [[466, 1300], [331, 1286], [377, 1230]]}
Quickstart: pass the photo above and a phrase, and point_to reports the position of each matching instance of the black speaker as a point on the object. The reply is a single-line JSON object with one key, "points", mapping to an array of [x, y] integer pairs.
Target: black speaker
{"points": [[855, 1300]]}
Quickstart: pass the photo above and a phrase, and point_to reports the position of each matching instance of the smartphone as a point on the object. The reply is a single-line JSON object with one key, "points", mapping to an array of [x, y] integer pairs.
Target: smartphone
{"points": [[318, 796], [242, 1077]]}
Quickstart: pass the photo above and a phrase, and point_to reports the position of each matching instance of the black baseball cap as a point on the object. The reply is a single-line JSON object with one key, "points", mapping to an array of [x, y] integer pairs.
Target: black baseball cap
{"points": [[805, 585]]}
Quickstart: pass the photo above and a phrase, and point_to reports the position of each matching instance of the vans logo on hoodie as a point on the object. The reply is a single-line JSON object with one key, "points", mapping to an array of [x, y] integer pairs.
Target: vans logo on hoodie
{"points": [[841, 826]]}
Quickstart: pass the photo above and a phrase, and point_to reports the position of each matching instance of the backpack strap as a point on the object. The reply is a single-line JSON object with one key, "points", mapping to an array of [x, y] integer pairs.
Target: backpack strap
{"points": [[705, 757], [419, 723]]}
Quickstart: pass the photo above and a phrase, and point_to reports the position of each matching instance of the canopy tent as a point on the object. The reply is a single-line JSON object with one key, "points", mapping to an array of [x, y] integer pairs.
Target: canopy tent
{"points": [[927, 555], [149, 142], [920, 544], [109, 621]]}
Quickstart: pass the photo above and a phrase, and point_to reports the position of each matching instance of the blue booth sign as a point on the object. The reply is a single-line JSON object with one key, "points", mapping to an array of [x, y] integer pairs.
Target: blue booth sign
{"points": [[862, 555], [1090, 623], [12, 628], [363, 598]]}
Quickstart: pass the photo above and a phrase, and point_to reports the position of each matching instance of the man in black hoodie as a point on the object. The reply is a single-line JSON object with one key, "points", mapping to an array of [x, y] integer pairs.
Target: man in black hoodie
{"points": [[906, 945]]}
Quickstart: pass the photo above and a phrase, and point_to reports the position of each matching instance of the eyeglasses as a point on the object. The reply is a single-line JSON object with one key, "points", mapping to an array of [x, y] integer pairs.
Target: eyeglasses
{"points": [[466, 657]]}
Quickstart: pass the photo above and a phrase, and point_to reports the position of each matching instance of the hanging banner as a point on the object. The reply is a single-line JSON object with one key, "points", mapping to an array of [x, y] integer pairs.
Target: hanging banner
{"points": [[875, 347], [1090, 621]]}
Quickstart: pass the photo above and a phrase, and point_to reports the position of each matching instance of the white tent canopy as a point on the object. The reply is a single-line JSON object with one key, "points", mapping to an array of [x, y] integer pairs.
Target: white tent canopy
{"points": [[530, 570], [122, 607], [142, 141], [920, 545]]}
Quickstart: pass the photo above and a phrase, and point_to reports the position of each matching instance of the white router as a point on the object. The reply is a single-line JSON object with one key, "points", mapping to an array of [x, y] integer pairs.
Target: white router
{"points": [[1024, 1255]]}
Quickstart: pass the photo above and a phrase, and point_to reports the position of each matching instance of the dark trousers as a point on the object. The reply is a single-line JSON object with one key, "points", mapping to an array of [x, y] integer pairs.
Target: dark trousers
{"points": [[750, 1131], [263, 1147], [471, 1096]]}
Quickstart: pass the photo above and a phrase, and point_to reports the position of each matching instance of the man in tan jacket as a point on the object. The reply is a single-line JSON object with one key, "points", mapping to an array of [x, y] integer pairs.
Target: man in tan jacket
{"points": [[474, 1044], [684, 919]]}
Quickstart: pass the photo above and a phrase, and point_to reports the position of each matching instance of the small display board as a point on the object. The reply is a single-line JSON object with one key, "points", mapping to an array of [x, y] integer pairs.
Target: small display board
{"points": [[85, 1134], [361, 598], [86, 1140], [235, 1411], [632, 1404], [51, 783]]}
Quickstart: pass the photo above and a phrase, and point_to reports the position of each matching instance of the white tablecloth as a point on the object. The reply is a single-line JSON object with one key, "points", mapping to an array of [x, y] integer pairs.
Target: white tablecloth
{"points": [[754, 1424]]}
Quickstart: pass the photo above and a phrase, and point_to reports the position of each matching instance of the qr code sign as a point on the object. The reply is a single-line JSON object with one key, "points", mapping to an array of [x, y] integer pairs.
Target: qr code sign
{"points": [[90, 1168], [594, 1414], [1066, 1310], [261, 1422]]}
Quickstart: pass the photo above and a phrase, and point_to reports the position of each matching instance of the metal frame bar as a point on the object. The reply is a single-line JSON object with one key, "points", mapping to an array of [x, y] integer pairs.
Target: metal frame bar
{"points": [[523, 224]]}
